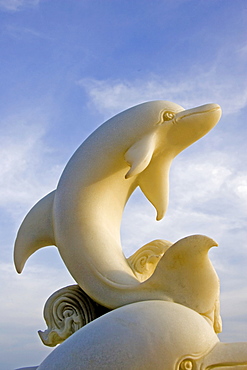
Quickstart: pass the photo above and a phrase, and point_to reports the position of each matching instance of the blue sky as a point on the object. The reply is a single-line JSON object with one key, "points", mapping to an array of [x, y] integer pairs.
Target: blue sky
{"points": [[66, 66]]}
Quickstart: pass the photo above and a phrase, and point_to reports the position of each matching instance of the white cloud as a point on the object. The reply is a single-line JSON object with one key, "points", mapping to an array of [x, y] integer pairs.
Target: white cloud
{"points": [[16, 5], [20, 33], [211, 175], [25, 175], [233, 310], [31, 287], [110, 97]]}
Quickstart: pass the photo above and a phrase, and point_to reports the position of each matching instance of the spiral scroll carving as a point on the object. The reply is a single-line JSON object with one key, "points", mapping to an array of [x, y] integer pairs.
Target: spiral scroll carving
{"points": [[144, 261], [65, 312]]}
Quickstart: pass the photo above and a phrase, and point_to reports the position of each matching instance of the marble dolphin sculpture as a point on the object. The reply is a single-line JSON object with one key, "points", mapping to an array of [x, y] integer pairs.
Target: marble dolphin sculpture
{"points": [[147, 335], [82, 216]]}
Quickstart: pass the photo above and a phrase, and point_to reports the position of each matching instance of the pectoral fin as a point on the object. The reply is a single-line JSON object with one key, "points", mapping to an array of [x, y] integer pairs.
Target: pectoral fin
{"points": [[154, 183], [139, 155]]}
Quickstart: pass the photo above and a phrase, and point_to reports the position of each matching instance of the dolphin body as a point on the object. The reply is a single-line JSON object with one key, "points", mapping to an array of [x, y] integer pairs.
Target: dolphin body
{"points": [[82, 217]]}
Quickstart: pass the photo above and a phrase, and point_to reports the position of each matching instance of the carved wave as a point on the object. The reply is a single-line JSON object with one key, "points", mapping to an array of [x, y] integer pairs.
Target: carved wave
{"points": [[66, 311]]}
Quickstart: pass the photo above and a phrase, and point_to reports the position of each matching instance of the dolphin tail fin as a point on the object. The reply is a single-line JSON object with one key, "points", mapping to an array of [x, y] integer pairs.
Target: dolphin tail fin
{"points": [[35, 232]]}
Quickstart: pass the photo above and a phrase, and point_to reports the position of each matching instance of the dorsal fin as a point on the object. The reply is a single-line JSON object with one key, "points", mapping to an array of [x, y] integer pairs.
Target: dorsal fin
{"points": [[35, 232]]}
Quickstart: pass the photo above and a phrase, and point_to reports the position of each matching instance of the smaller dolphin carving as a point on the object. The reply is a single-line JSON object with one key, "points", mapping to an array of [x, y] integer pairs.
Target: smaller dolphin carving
{"points": [[82, 217], [147, 335]]}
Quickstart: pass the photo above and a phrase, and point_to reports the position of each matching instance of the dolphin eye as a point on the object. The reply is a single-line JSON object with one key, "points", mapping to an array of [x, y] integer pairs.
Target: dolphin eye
{"points": [[168, 116]]}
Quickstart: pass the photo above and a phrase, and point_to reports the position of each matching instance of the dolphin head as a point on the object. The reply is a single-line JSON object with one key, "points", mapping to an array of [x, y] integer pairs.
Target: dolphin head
{"points": [[188, 126], [151, 156]]}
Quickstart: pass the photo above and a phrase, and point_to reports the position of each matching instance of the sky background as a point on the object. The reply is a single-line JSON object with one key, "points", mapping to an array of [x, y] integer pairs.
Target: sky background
{"points": [[65, 67]]}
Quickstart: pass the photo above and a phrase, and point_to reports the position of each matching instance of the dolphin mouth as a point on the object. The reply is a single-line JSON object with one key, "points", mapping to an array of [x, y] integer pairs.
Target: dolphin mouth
{"points": [[225, 355], [207, 108]]}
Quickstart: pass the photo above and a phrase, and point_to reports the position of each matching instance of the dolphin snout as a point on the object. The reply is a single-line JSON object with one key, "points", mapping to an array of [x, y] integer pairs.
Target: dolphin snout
{"points": [[192, 124], [203, 109]]}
